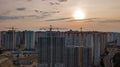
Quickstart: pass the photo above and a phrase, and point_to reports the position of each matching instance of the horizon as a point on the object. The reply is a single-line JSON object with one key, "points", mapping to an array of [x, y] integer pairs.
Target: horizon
{"points": [[73, 30]]}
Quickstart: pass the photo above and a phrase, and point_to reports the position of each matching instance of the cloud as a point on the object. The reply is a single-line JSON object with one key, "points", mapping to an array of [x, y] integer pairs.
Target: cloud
{"points": [[23, 17], [109, 21], [96, 20], [88, 20], [5, 13], [54, 3], [43, 0], [46, 12], [42, 15], [62, 0], [29, 0], [51, 12], [37, 11], [58, 19], [20, 9], [11, 17]]}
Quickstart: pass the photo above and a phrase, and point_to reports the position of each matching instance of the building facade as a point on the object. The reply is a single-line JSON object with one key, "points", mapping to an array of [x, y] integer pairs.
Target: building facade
{"points": [[29, 40], [8, 40]]}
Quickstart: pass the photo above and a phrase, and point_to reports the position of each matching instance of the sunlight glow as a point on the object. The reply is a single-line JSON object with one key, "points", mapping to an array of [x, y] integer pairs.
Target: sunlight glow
{"points": [[78, 14]]}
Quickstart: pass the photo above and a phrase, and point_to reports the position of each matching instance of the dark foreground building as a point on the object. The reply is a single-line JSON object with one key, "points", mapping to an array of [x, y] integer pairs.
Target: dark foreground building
{"points": [[53, 51]]}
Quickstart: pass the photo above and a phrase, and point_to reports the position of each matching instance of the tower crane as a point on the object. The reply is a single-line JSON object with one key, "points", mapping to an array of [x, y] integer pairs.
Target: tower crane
{"points": [[51, 28]]}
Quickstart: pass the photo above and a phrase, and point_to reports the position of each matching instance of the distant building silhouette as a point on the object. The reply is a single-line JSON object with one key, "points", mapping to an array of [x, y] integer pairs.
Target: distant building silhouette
{"points": [[8, 40], [0, 39], [20, 39], [29, 40]]}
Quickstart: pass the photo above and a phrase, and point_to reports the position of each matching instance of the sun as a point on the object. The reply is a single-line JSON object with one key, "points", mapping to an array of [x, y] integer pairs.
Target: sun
{"points": [[78, 14]]}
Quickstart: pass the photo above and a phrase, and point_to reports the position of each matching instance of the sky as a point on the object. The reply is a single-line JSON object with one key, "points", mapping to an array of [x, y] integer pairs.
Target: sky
{"points": [[100, 15]]}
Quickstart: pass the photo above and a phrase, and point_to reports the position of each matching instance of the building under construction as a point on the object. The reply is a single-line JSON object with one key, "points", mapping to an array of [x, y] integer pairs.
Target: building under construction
{"points": [[61, 49]]}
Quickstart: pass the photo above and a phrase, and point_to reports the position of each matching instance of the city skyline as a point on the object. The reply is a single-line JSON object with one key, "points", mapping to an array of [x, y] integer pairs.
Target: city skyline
{"points": [[99, 15], [60, 49]]}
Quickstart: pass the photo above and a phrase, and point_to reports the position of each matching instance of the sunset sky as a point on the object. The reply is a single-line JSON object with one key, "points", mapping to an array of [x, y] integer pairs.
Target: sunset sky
{"points": [[99, 15]]}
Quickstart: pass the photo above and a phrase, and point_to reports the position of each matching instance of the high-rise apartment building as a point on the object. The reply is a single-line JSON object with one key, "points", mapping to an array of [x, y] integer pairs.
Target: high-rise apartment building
{"points": [[8, 39], [29, 39], [62, 49], [0, 39], [50, 46]]}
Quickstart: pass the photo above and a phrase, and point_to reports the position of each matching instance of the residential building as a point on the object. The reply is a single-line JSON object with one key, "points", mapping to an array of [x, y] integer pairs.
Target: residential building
{"points": [[29, 40]]}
